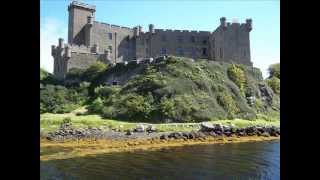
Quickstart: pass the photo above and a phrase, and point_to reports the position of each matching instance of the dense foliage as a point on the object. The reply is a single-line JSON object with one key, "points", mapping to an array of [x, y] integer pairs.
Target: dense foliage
{"points": [[237, 75], [175, 90], [274, 78], [274, 70]]}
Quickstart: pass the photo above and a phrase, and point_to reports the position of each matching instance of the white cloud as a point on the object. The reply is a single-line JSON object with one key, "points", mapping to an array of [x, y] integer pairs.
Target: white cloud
{"points": [[50, 30]]}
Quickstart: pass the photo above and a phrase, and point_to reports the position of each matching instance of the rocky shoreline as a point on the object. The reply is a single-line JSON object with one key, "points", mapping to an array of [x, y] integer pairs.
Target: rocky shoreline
{"points": [[67, 132]]}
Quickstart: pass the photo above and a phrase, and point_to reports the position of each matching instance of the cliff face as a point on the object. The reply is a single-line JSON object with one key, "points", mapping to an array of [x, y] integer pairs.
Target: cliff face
{"points": [[180, 90]]}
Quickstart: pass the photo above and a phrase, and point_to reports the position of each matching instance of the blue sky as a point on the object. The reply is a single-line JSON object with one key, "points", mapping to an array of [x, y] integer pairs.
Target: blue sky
{"points": [[168, 14]]}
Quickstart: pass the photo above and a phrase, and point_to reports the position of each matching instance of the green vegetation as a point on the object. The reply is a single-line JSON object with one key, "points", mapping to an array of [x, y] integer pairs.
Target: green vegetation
{"points": [[274, 70], [274, 83], [237, 75], [50, 122], [175, 90], [59, 99], [274, 78]]}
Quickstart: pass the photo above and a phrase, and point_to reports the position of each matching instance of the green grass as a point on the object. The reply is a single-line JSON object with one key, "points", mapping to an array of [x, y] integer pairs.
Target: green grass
{"points": [[50, 122]]}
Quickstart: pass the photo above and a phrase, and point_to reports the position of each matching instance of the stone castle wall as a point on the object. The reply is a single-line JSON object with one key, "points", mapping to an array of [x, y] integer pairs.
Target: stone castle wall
{"points": [[90, 40]]}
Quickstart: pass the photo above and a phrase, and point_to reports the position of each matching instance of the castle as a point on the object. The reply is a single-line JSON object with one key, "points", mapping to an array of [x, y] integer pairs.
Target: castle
{"points": [[90, 41]]}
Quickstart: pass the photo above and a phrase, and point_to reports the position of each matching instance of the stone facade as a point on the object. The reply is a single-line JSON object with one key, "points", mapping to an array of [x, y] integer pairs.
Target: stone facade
{"points": [[90, 41]]}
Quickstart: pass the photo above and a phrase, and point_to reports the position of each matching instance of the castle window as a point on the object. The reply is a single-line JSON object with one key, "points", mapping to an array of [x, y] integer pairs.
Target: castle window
{"points": [[204, 51], [163, 38], [180, 39], [110, 48], [193, 39], [180, 51], [110, 36], [221, 53], [163, 51], [244, 53], [128, 38], [204, 42], [147, 50]]}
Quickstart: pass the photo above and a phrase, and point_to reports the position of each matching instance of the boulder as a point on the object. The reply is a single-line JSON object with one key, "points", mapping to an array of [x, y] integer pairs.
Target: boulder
{"points": [[227, 133], [139, 128], [151, 129], [265, 134], [213, 134], [186, 135], [206, 127], [218, 127], [164, 136], [128, 133], [176, 135]]}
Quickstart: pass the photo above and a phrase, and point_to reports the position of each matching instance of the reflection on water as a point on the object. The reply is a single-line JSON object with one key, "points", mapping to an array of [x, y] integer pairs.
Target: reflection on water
{"points": [[259, 160]]}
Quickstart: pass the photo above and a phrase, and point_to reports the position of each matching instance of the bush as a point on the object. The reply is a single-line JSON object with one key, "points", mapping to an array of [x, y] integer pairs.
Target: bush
{"points": [[94, 71], [75, 73], [167, 108], [96, 106], [274, 83], [58, 99], [237, 75], [274, 70], [108, 112], [106, 91], [228, 103], [66, 120]]}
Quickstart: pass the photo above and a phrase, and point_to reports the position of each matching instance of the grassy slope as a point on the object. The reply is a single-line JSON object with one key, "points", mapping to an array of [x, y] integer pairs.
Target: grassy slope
{"points": [[194, 88]]}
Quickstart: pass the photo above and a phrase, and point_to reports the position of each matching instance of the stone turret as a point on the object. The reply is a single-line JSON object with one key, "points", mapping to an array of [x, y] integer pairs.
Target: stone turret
{"points": [[67, 52], [81, 16], [53, 50], [61, 43], [151, 29], [136, 31], [223, 22], [249, 24]]}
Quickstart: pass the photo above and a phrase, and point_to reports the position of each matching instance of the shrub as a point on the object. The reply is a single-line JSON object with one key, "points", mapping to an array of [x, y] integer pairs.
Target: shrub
{"points": [[167, 108], [274, 83], [106, 91], [228, 103], [94, 71], [237, 75], [58, 99], [108, 112], [274, 70], [137, 106], [96, 106], [66, 120], [75, 73]]}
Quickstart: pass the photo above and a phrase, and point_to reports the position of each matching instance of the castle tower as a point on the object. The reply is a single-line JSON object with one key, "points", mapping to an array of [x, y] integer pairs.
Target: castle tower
{"points": [[81, 18]]}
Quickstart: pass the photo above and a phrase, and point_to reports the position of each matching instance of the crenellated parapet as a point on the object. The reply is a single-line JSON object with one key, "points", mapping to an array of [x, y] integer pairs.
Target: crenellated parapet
{"points": [[224, 24]]}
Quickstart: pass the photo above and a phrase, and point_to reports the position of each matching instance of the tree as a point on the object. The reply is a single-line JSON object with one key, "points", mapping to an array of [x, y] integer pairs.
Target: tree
{"points": [[94, 70], [274, 70]]}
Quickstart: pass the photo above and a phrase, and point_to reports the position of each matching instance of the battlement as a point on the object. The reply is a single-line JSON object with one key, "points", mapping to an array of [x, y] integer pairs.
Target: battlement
{"points": [[235, 24], [113, 26], [182, 31], [82, 5]]}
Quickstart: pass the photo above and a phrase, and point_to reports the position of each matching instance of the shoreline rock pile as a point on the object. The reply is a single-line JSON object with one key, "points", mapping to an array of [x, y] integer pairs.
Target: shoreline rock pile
{"points": [[66, 131]]}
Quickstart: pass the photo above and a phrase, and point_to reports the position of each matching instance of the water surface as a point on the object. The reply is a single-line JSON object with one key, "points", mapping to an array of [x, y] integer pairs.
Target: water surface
{"points": [[254, 160]]}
